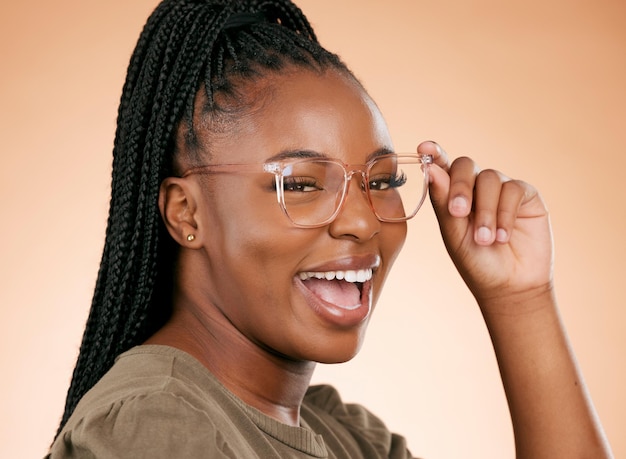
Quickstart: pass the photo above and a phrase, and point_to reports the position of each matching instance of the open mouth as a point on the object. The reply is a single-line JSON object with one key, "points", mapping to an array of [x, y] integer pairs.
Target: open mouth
{"points": [[341, 288]]}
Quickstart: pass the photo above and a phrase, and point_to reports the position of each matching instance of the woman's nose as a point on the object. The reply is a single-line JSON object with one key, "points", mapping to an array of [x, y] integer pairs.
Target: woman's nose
{"points": [[356, 219]]}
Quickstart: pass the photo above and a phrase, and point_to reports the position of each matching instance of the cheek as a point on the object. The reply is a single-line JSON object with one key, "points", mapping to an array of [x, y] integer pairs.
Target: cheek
{"points": [[392, 237], [252, 262], [250, 241], [239, 210]]}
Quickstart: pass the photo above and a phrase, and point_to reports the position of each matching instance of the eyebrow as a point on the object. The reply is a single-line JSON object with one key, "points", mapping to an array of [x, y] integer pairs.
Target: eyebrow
{"points": [[301, 154], [297, 154], [380, 152]]}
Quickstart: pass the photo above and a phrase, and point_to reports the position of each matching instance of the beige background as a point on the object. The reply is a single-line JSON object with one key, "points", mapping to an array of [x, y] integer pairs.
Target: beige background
{"points": [[534, 88]]}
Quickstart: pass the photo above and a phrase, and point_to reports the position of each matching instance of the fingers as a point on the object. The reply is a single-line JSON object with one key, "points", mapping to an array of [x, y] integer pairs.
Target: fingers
{"points": [[462, 179], [485, 204], [513, 194]]}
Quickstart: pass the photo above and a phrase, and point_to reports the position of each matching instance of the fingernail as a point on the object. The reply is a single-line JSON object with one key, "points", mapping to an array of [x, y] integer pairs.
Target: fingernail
{"points": [[458, 205], [501, 235], [483, 234], [437, 147]]}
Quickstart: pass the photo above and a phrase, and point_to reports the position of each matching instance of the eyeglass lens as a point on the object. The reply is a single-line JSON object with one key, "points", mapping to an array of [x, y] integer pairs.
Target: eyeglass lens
{"points": [[313, 189]]}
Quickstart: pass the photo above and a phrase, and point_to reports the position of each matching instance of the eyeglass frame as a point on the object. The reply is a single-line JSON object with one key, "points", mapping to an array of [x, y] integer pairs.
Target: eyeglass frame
{"points": [[278, 167]]}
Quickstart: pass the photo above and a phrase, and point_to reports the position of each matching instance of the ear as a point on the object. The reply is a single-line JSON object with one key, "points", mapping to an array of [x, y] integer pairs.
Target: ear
{"points": [[178, 206]]}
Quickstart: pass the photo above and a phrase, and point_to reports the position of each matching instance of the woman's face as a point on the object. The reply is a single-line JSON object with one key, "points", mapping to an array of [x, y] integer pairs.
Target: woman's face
{"points": [[257, 270]]}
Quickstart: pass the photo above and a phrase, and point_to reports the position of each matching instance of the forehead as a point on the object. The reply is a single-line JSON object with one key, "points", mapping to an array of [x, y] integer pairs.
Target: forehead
{"points": [[327, 112]]}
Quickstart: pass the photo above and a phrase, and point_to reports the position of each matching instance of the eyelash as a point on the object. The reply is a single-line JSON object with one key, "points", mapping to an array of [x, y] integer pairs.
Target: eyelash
{"points": [[394, 181], [298, 183]]}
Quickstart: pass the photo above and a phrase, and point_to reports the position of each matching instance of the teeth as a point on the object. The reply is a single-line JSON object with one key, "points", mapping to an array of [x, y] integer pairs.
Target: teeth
{"points": [[362, 275]]}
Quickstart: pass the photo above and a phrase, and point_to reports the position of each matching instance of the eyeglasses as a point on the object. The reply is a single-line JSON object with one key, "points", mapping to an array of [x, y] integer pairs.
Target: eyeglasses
{"points": [[312, 191]]}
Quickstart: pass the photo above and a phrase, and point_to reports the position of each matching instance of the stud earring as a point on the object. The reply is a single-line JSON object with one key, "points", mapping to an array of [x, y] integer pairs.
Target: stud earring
{"points": [[190, 237]]}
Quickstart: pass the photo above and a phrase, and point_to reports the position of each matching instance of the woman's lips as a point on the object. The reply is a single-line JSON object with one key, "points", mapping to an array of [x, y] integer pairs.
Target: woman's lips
{"points": [[341, 288], [338, 301]]}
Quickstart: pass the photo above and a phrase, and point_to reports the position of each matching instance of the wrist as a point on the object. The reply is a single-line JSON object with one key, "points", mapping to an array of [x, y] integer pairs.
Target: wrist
{"points": [[518, 303]]}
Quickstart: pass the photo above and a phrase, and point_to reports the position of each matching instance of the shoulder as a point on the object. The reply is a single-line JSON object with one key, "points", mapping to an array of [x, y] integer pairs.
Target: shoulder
{"points": [[323, 404], [326, 399], [152, 403], [154, 425], [146, 375]]}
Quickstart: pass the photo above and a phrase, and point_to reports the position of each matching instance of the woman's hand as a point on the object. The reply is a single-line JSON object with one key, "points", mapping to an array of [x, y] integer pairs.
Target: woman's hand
{"points": [[496, 229], [498, 234]]}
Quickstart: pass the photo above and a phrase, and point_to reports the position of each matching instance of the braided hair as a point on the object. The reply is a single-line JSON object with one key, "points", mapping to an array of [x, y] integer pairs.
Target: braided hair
{"points": [[186, 46]]}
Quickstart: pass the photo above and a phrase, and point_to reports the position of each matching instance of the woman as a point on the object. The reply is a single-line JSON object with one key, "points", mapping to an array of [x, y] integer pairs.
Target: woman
{"points": [[257, 207]]}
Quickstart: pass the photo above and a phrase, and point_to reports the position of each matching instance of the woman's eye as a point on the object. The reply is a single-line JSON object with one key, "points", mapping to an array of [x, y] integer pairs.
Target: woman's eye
{"points": [[300, 184], [387, 181], [379, 184]]}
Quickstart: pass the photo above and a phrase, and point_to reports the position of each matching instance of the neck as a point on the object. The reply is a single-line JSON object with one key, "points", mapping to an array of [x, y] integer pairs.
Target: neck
{"points": [[271, 383]]}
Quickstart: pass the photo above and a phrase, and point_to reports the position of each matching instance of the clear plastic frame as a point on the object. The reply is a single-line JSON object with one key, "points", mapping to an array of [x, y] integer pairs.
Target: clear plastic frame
{"points": [[312, 191]]}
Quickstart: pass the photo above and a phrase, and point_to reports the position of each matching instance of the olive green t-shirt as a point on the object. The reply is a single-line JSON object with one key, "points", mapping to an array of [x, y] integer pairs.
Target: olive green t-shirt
{"points": [[159, 402]]}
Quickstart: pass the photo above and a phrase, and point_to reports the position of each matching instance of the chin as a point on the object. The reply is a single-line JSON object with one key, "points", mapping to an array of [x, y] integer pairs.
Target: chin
{"points": [[337, 351], [332, 361]]}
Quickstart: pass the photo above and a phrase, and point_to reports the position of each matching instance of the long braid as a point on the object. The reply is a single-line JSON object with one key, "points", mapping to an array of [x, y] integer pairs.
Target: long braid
{"points": [[184, 44]]}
